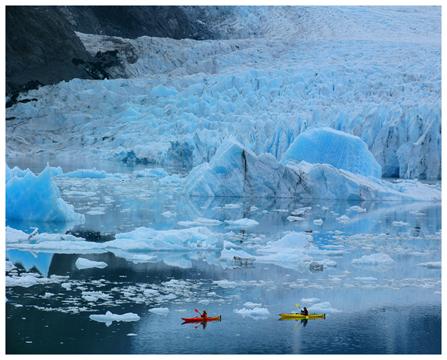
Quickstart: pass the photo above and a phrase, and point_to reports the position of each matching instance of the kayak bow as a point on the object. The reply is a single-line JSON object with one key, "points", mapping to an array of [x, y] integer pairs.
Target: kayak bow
{"points": [[201, 319], [297, 316]]}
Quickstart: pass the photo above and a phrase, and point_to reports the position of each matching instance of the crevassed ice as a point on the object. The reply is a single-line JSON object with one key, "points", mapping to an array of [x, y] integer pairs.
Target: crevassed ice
{"points": [[280, 72], [33, 197]]}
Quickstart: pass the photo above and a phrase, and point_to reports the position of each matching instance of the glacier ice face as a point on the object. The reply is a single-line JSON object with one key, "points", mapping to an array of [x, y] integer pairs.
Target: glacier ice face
{"points": [[265, 85], [337, 148], [31, 197], [236, 171]]}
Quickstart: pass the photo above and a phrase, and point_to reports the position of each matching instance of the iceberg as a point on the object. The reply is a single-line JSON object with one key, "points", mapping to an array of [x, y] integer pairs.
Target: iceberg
{"points": [[31, 197], [86, 174], [109, 317], [143, 239], [374, 259], [82, 264], [256, 313], [337, 148], [235, 171]]}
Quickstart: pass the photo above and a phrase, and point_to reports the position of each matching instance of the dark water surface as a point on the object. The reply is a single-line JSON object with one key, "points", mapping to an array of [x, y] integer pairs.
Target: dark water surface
{"points": [[392, 308]]}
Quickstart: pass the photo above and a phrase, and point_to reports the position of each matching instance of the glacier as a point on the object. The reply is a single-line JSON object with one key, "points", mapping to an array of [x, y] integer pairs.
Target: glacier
{"points": [[33, 197], [263, 84], [337, 148]]}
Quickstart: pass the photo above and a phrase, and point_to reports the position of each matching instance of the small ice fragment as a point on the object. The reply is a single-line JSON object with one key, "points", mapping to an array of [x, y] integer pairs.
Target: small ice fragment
{"points": [[243, 223], [254, 313], [431, 264], [159, 311], [344, 219], [109, 317], [374, 259], [318, 222], [399, 223], [82, 263], [357, 208]]}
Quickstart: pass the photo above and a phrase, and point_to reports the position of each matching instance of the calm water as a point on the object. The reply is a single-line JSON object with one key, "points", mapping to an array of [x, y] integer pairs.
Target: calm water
{"points": [[371, 308]]}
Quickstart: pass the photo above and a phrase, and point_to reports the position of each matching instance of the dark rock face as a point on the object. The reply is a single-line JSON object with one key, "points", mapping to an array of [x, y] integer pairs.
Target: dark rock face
{"points": [[42, 47], [135, 21]]}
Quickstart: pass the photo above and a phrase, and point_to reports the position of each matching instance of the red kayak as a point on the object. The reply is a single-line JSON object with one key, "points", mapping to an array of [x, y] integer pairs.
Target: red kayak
{"points": [[201, 319]]}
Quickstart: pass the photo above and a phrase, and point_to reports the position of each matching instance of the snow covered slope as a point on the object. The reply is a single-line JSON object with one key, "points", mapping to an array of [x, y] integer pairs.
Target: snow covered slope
{"points": [[372, 72]]}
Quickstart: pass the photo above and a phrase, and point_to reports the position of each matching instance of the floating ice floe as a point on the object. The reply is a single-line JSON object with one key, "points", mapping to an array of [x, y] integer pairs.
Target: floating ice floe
{"points": [[86, 174], [200, 222], [257, 313], [318, 222], [344, 219], [242, 223], [310, 300], [323, 307], [337, 148], [251, 305], [431, 264], [82, 263], [374, 259], [31, 279], [237, 171], [109, 317], [399, 223], [168, 214], [33, 197], [159, 311], [294, 218], [357, 208], [152, 173]]}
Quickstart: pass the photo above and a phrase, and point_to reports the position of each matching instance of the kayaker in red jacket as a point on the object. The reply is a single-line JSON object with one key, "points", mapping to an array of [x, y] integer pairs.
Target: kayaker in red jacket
{"points": [[204, 314]]}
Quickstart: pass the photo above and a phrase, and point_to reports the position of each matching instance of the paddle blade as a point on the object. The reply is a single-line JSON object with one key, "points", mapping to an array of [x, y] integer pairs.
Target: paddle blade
{"points": [[298, 305], [197, 311]]}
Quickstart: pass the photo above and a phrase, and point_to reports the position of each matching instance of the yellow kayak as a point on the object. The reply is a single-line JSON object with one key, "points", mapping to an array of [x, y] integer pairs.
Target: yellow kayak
{"points": [[298, 316]]}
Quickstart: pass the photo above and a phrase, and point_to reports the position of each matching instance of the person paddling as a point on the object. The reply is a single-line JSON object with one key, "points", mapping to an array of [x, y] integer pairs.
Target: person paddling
{"points": [[204, 315], [304, 311]]}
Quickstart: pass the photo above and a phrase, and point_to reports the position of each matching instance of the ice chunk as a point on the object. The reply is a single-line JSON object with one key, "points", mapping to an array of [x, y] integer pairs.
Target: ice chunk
{"points": [[236, 171], [431, 264], [253, 312], [292, 250], [344, 219], [357, 208], [242, 223], [160, 311], [200, 222], [158, 240], [36, 198], [109, 317], [374, 259], [337, 148], [318, 222], [86, 174], [399, 223], [251, 305], [226, 284], [82, 263], [153, 173], [323, 307], [310, 300]]}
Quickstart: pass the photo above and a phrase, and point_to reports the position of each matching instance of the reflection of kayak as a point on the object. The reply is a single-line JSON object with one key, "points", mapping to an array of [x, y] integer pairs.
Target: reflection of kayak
{"points": [[297, 316], [201, 319]]}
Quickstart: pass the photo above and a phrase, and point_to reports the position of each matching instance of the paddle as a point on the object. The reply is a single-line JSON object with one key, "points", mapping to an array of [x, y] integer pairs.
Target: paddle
{"points": [[197, 311]]}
